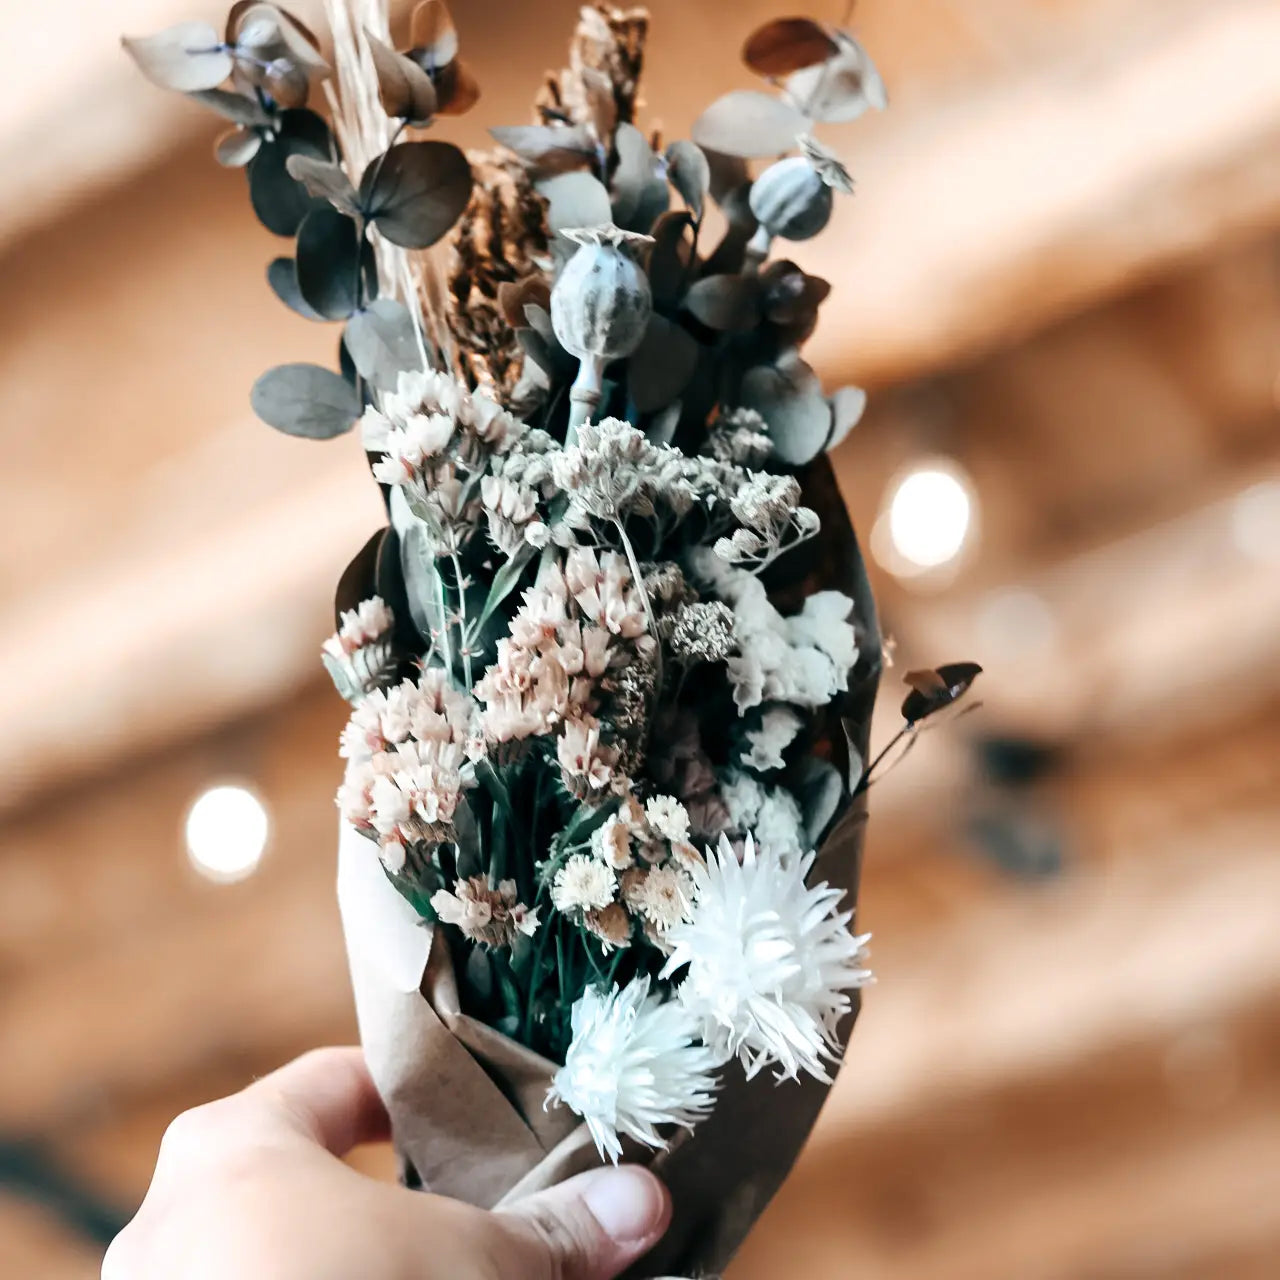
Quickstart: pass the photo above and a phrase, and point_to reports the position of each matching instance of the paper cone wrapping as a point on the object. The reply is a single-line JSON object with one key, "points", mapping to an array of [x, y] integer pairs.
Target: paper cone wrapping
{"points": [[466, 1103]]}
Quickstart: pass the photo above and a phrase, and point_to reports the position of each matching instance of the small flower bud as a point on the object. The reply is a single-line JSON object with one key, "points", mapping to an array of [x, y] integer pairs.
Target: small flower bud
{"points": [[791, 200]]}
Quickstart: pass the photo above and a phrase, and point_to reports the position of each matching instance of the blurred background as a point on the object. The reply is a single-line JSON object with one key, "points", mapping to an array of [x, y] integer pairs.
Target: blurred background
{"points": [[1060, 281]]}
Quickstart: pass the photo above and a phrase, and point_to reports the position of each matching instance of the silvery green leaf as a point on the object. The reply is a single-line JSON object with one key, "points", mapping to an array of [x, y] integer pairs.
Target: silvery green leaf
{"points": [[235, 148], [661, 366], [305, 400], [416, 192], [328, 262], [817, 787], [383, 342], [344, 678], [422, 581], [789, 397], [847, 407], [857, 766], [239, 108], [730, 304], [662, 429], [575, 200], [690, 173], [749, 123], [188, 57], [324, 179], [635, 169], [548, 149], [282, 276]]}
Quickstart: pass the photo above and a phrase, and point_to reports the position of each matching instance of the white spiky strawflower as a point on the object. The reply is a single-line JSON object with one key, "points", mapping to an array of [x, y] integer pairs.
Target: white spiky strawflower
{"points": [[635, 1065], [769, 961]]}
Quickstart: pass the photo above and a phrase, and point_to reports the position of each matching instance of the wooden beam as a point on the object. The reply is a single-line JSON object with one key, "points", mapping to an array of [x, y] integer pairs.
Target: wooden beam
{"points": [[981, 222]]}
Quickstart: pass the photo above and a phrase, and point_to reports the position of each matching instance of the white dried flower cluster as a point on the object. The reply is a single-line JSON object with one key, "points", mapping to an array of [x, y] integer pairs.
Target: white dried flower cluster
{"points": [[435, 439], [771, 520], [358, 655], [491, 916], [634, 1066], [410, 752], [583, 620], [804, 659], [740, 438], [768, 961]]}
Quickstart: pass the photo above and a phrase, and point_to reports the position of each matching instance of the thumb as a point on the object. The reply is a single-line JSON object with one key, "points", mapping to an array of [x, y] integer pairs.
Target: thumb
{"points": [[589, 1228]]}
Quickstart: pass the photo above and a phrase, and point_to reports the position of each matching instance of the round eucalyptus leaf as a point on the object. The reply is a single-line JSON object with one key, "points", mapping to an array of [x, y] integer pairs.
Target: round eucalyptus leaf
{"points": [[416, 192], [383, 342], [279, 200], [633, 173], [305, 400], [239, 108], [730, 304], [549, 150], [575, 200], [818, 787], [282, 276], [748, 123], [847, 407], [187, 57], [235, 148], [690, 173], [842, 88], [324, 180], [661, 366], [328, 262], [404, 88], [789, 398]]}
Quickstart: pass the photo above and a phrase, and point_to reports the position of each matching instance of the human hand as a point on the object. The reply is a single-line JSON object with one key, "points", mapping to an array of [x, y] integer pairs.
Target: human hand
{"points": [[252, 1187]]}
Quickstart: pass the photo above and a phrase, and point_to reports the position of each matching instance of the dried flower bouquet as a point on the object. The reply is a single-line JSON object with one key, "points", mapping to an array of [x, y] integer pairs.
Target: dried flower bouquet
{"points": [[613, 659]]}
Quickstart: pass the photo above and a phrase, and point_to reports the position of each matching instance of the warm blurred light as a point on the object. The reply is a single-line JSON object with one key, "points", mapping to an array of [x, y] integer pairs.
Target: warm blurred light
{"points": [[1013, 623], [227, 833], [1255, 521], [929, 516]]}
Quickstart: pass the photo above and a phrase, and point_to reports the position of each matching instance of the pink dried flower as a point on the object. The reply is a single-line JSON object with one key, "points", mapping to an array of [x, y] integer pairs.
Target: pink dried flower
{"points": [[486, 915]]}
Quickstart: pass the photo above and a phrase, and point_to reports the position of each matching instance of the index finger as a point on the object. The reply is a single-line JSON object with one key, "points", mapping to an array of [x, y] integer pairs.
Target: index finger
{"points": [[327, 1096]]}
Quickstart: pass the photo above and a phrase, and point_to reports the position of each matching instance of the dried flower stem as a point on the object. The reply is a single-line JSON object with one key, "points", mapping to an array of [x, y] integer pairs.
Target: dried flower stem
{"points": [[638, 578], [464, 647]]}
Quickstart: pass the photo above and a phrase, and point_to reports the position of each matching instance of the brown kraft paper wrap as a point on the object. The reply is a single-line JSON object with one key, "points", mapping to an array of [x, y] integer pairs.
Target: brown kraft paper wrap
{"points": [[466, 1103]]}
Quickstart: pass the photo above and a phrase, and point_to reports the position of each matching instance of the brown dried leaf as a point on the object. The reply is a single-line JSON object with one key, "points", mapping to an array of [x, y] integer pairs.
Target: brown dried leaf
{"points": [[457, 89], [727, 303], [432, 33], [404, 88], [748, 123], [786, 45], [187, 57], [515, 296]]}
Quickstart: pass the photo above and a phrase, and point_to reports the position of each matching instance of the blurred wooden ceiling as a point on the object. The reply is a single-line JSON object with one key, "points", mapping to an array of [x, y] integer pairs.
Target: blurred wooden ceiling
{"points": [[1062, 271]]}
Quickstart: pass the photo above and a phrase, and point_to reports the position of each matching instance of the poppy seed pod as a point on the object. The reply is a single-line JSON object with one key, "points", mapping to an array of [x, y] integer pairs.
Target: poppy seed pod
{"points": [[790, 199], [600, 308]]}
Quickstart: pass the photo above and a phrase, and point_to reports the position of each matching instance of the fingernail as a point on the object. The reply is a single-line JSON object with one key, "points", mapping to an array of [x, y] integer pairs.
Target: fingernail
{"points": [[627, 1202]]}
